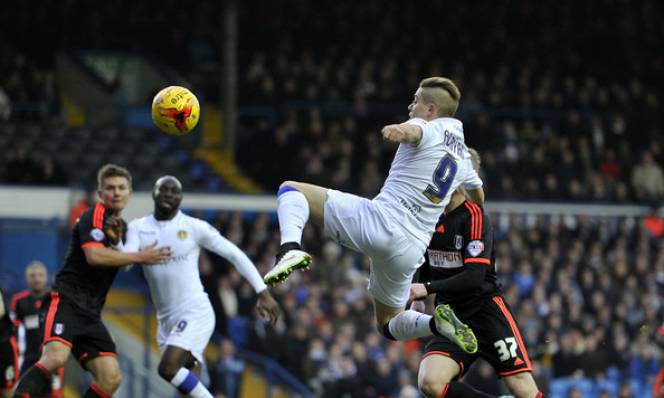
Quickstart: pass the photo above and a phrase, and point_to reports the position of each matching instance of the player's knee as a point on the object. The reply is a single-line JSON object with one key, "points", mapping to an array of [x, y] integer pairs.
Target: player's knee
{"points": [[109, 380], [54, 358], [286, 184], [167, 370], [522, 385], [430, 385]]}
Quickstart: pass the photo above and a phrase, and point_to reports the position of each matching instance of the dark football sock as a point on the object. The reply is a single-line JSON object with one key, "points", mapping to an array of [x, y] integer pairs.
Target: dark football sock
{"points": [[34, 383]]}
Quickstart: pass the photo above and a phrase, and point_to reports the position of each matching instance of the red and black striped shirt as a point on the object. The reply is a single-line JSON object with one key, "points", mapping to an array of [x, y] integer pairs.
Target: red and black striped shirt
{"points": [[460, 260], [77, 280]]}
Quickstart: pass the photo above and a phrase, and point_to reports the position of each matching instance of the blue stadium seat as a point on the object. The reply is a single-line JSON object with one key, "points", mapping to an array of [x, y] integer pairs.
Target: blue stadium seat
{"points": [[238, 331]]}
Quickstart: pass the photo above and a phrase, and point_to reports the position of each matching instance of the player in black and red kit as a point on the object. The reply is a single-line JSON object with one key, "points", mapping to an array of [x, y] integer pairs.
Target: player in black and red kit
{"points": [[72, 322], [25, 310], [460, 270], [8, 351]]}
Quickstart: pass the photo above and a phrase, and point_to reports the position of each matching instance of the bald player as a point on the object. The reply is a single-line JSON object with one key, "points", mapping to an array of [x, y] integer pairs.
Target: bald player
{"points": [[185, 315], [395, 227]]}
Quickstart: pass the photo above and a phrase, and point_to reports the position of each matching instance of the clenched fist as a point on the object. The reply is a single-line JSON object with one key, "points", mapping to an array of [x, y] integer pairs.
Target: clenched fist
{"points": [[114, 228]]}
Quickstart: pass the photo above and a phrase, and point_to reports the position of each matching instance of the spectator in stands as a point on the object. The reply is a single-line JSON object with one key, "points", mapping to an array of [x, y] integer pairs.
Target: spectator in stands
{"points": [[50, 172], [226, 372], [648, 179], [21, 168]]}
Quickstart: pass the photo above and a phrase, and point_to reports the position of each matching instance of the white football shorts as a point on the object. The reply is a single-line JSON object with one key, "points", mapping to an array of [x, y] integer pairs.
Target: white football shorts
{"points": [[189, 328], [358, 224]]}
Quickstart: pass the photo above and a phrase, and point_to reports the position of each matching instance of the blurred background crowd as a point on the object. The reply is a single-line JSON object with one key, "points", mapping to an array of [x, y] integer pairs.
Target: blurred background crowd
{"points": [[563, 103], [587, 293]]}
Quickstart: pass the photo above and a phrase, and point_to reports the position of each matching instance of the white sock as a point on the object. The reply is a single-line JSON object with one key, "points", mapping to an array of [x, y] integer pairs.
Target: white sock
{"points": [[188, 384], [293, 213], [409, 325]]}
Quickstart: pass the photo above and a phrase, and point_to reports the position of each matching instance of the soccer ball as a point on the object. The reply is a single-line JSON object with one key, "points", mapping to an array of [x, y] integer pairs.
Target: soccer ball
{"points": [[175, 110]]}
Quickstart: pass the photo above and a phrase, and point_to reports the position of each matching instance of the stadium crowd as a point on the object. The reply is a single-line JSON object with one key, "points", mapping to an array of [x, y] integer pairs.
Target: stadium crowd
{"points": [[576, 123], [587, 293], [556, 113]]}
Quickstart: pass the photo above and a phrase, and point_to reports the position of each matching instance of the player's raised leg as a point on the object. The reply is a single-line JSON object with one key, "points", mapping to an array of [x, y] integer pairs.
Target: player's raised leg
{"points": [[296, 202], [522, 385], [37, 378], [173, 369]]}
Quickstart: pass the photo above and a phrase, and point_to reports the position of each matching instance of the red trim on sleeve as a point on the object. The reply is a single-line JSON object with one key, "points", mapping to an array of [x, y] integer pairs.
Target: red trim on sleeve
{"points": [[16, 297], [477, 260], [475, 220], [89, 244], [98, 216]]}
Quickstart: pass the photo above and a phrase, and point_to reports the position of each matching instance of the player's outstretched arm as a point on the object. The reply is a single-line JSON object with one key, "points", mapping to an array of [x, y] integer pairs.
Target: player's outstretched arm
{"points": [[402, 133], [98, 256]]}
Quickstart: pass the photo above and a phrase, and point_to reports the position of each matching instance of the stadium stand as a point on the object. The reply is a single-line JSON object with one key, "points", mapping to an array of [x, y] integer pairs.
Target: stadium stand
{"points": [[562, 102]]}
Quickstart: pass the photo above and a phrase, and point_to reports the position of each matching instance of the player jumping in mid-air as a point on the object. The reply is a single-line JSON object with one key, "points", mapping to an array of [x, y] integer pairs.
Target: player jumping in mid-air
{"points": [[72, 321], [25, 310], [460, 269], [186, 318], [395, 227]]}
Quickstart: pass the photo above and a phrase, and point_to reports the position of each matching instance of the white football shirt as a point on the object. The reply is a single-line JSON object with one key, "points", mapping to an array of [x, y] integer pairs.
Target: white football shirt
{"points": [[177, 282], [422, 178]]}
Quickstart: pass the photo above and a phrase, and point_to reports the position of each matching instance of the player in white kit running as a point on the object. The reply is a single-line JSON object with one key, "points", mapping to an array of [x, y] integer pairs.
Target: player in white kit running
{"points": [[395, 227], [185, 315]]}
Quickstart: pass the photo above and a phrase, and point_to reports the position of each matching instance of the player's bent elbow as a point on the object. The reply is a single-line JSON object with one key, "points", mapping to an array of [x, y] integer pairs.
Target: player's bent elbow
{"points": [[476, 195]]}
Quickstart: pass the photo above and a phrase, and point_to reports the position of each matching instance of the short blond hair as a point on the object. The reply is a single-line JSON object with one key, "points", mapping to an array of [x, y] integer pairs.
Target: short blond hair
{"points": [[111, 170], [442, 92]]}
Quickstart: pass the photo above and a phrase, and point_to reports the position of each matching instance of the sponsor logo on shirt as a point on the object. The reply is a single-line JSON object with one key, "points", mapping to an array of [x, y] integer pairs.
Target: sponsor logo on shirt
{"points": [[475, 248], [414, 209], [97, 234], [442, 259]]}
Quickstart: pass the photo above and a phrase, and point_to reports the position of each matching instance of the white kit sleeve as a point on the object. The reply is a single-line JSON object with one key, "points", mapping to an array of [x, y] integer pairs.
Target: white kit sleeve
{"points": [[211, 239]]}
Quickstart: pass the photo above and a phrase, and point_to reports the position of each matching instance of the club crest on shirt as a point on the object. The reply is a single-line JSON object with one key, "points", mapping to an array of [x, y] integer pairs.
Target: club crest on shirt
{"points": [[475, 248], [97, 234], [458, 242], [59, 328], [182, 234]]}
